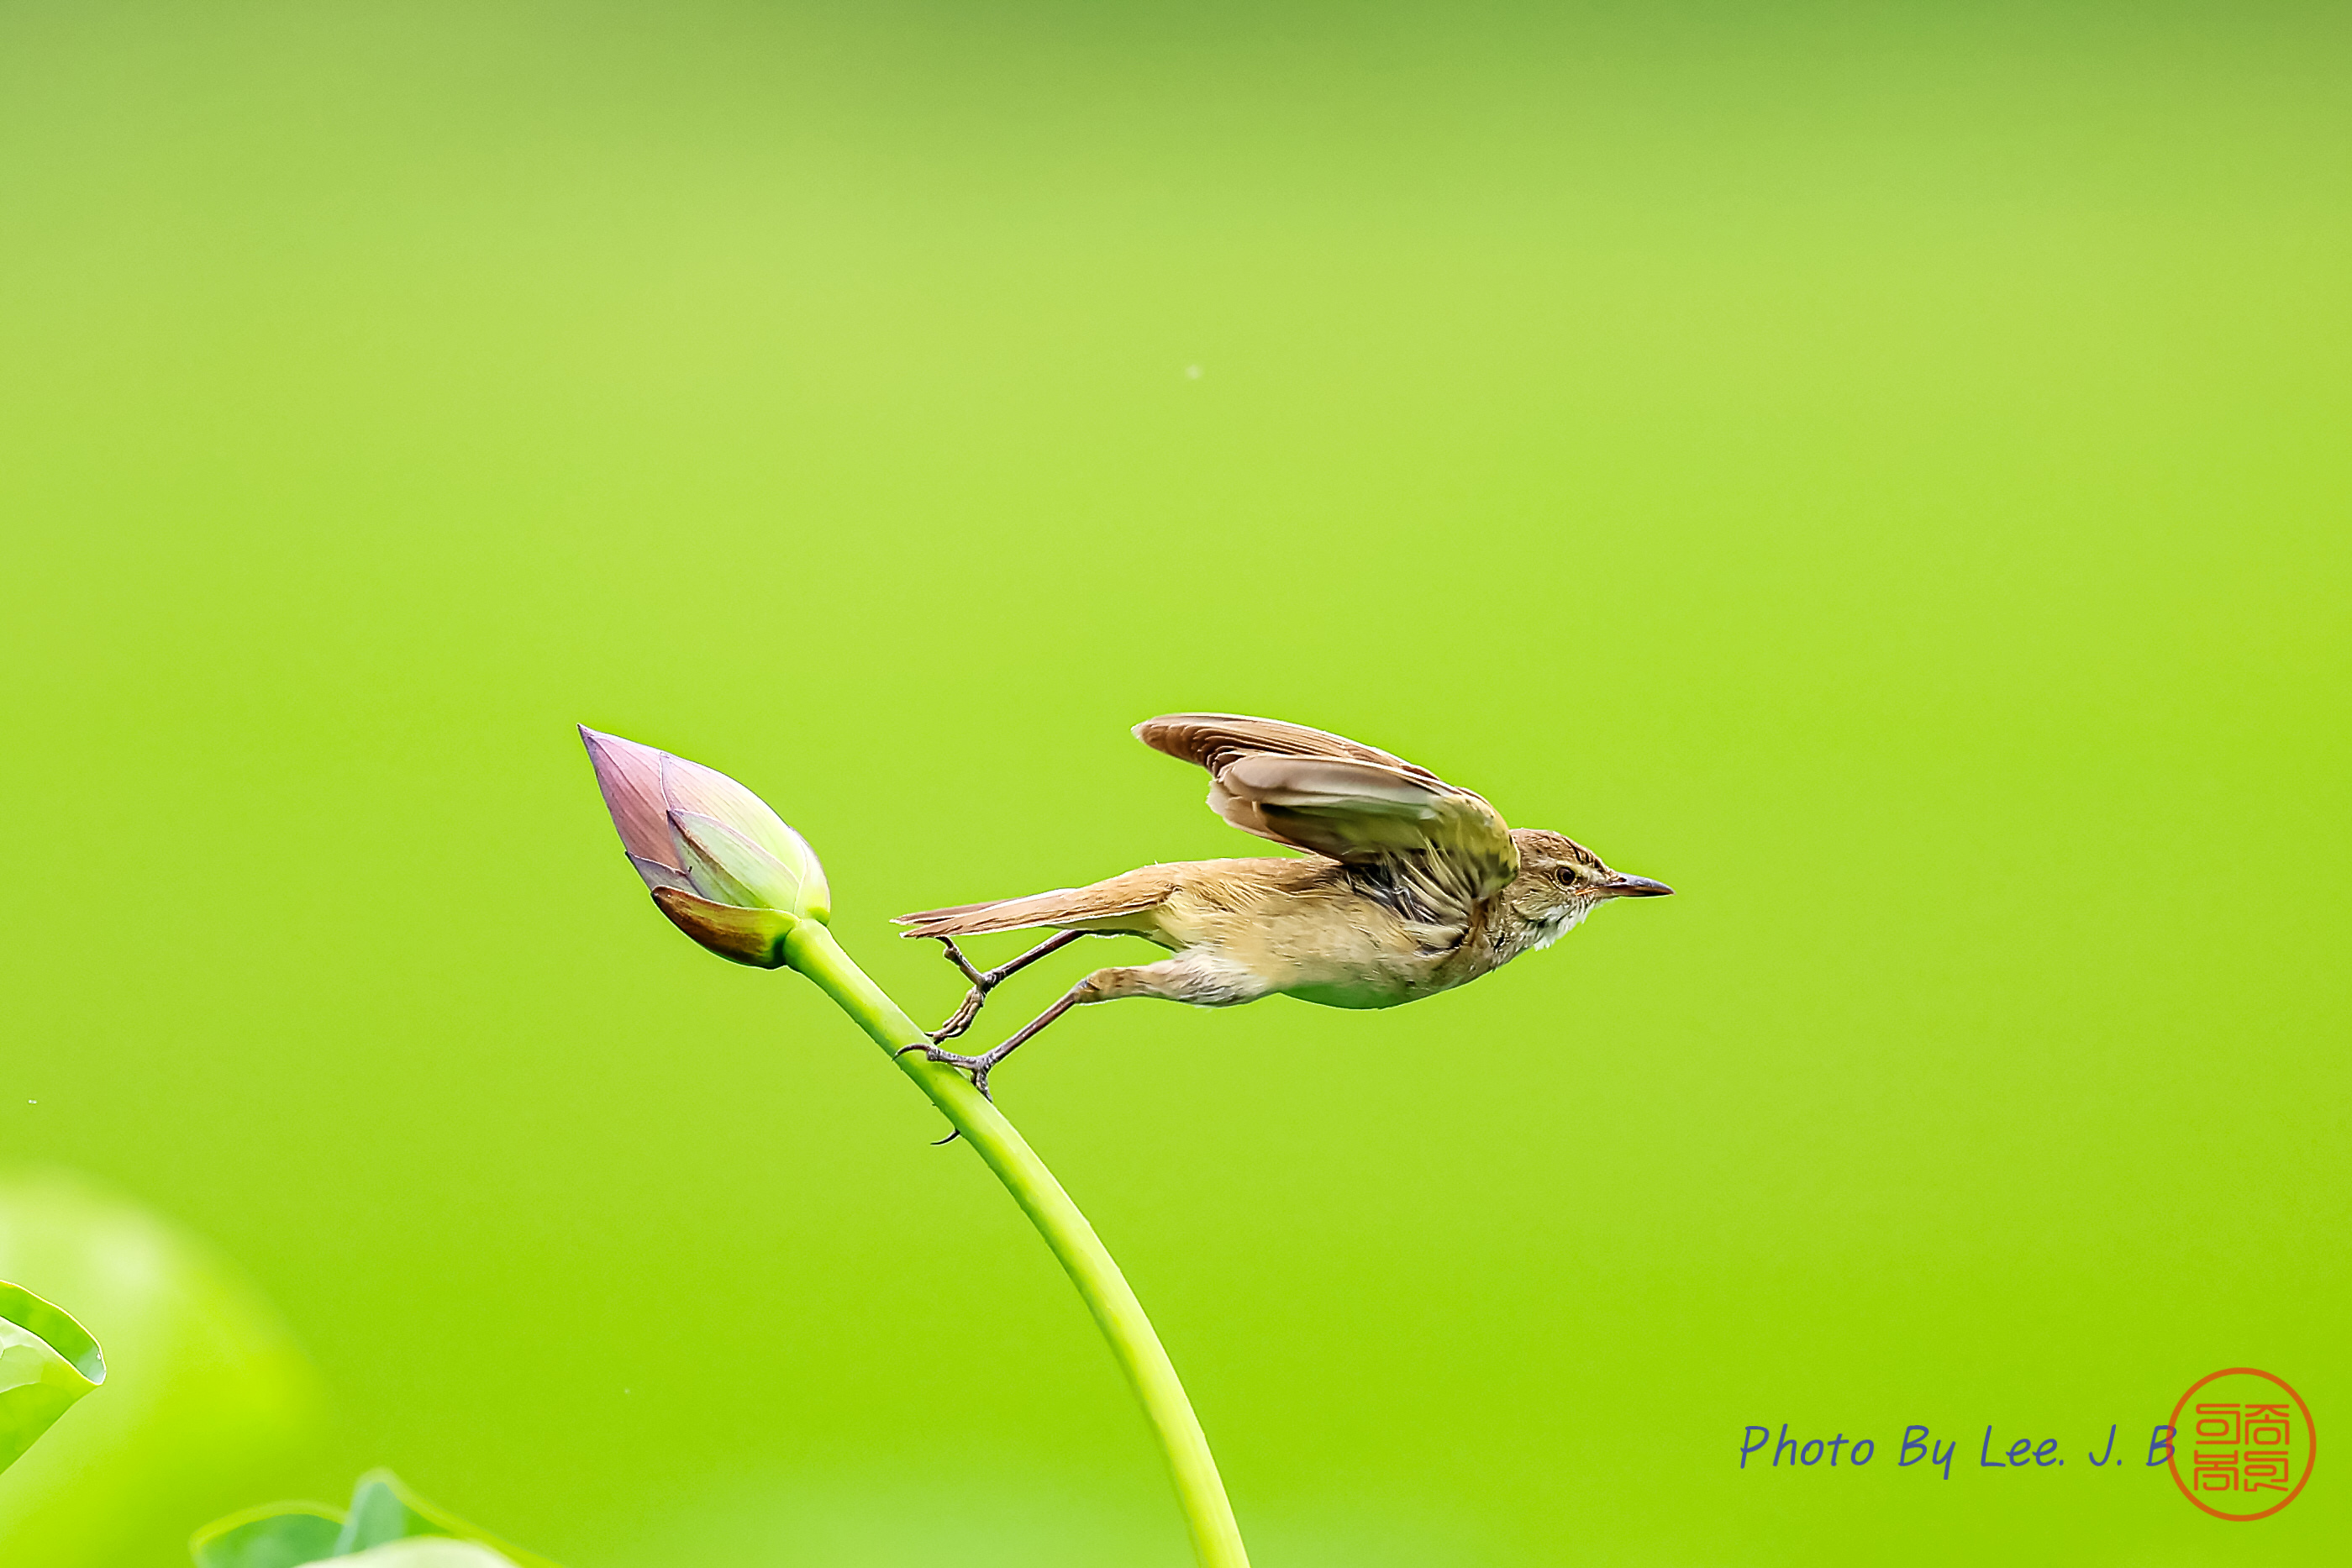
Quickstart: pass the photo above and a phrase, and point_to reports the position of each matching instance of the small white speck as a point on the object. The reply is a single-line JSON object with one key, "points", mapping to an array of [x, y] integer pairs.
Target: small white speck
{"points": [[1191, 372], [32, 1102]]}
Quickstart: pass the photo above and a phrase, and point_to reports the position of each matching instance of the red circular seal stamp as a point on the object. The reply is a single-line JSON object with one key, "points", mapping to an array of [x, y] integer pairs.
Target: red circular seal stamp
{"points": [[2247, 1441]]}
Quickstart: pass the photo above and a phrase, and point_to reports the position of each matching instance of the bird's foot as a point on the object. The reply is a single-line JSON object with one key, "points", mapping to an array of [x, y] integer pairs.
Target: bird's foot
{"points": [[981, 1066], [982, 983], [985, 981], [977, 1066]]}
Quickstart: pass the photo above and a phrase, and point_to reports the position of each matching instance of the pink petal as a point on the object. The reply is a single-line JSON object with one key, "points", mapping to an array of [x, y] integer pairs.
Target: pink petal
{"points": [[630, 776]]}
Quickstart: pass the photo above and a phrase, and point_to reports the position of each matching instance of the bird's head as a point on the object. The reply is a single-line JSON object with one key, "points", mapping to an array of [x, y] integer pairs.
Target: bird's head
{"points": [[1560, 881]]}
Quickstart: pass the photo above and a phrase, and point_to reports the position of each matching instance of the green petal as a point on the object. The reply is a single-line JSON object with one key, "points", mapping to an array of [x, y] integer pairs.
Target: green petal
{"points": [[46, 1362], [752, 936], [731, 868], [728, 868]]}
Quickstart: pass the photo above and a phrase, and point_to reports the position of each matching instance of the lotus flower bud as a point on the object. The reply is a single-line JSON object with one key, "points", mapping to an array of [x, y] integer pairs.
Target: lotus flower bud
{"points": [[723, 868]]}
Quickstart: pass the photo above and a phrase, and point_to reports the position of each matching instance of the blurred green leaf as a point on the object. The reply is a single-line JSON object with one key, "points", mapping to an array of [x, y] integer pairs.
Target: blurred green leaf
{"points": [[385, 1509], [208, 1397], [429, 1552], [46, 1362], [387, 1523], [276, 1535]]}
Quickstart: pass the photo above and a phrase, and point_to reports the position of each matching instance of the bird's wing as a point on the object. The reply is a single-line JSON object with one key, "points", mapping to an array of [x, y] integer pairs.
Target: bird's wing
{"points": [[1332, 796]]}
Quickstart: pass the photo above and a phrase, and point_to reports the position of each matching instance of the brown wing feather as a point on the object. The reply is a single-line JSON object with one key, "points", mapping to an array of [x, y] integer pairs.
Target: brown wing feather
{"points": [[1216, 740], [1123, 903], [1337, 797]]}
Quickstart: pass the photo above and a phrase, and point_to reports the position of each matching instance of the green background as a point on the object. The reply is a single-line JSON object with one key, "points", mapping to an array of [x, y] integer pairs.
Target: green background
{"points": [[1880, 468]]}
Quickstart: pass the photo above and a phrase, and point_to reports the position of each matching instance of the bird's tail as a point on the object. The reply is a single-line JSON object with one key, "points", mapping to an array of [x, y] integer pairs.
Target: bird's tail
{"points": [[1124, 903]]}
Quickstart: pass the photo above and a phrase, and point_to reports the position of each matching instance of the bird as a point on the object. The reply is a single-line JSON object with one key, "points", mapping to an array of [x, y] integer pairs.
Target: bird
{"points": [[1408, 886]]}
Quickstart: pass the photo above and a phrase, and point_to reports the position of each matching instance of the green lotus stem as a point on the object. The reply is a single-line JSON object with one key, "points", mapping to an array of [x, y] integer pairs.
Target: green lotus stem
{"points": [[1216, 1539]]}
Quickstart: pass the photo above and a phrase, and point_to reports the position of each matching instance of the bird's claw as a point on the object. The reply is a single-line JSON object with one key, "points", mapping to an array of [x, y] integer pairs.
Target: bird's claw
{"points": [[977, 1066], [982, 983], [961, 1020]]}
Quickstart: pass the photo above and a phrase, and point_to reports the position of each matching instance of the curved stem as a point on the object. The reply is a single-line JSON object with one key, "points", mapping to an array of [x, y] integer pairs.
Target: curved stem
{"points": [[1216, 1539]]}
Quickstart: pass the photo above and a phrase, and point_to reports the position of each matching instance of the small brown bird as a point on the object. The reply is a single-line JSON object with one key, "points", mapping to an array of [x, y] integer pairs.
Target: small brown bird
{"points": [[1413, 886]]}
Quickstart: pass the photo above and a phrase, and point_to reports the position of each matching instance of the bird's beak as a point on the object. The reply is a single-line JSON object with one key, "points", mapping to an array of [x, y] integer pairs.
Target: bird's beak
{"points": [[1620, 886]]}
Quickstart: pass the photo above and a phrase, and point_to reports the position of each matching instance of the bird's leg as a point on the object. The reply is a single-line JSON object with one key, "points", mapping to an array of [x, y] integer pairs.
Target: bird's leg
{"points": [[985, 981], [981, 1066], [1171, 978]]}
